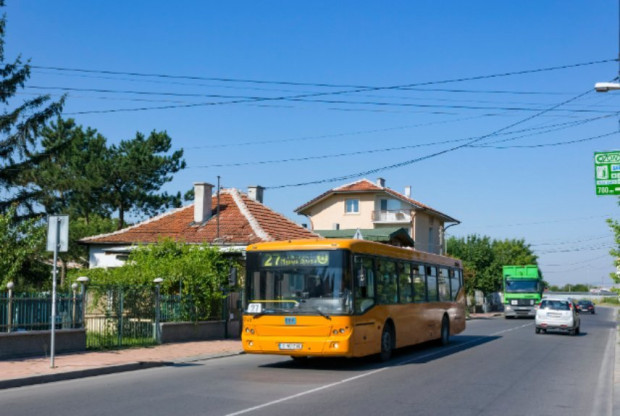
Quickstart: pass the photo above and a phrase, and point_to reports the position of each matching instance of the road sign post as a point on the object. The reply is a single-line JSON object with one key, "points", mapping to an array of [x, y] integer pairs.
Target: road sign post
{"points": [[57, 240], [607, 172]]}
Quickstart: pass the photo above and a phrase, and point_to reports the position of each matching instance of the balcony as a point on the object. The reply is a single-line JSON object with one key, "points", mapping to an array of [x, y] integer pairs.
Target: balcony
{"points": [[399, 216]]}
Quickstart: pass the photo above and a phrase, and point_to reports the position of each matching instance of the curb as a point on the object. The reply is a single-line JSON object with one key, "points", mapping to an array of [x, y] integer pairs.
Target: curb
{"points": [[70, 375], [112, 369]]}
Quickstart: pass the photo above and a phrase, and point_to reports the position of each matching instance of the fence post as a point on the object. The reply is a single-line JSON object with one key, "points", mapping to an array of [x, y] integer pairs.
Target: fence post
{"points": [[120, 316], [157, 292], [83, 281], [9, 316], [74, 287]]}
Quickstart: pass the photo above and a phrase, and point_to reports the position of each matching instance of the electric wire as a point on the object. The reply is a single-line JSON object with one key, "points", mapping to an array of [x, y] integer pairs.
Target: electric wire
{"points": [[432, 155], [309, 95]]}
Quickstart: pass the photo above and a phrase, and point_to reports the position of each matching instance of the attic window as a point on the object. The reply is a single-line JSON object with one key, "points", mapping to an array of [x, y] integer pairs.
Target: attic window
{"points": [[352, 206]]}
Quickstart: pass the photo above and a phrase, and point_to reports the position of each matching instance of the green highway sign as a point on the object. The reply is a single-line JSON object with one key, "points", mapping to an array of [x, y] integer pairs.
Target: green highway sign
{"points": [[607, 172]]}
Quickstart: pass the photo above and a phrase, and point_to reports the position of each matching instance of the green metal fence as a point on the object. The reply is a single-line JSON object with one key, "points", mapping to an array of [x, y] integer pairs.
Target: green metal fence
{"points": [[115, 316], [33, 311], [120, 316]]}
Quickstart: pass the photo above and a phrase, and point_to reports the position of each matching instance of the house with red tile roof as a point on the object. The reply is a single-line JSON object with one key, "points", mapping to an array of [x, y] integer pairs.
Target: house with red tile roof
{"points": [[232, 221], [373, 211]]}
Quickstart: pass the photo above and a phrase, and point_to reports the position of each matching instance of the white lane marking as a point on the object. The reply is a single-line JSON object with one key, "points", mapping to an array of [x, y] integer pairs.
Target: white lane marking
{"points": [[304, 393], [347, 380]]}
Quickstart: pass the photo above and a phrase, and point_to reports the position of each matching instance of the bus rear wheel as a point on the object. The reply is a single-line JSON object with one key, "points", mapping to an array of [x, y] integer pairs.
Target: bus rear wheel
{"points": [[387, 342]]}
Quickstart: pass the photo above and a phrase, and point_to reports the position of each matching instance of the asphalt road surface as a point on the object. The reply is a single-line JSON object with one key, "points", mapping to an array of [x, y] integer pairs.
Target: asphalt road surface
{"points": [[496, 367]]}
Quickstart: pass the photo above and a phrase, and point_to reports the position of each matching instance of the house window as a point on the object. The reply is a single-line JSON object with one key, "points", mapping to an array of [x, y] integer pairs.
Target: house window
{"points": [[352, 206]]}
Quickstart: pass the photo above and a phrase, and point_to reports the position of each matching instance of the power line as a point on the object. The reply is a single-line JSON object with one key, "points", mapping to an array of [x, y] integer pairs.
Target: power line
{"points": [[565, 143], [591, 248], [432, 155], [550, 221], [308, 95], [390, 149], [313, 84]]}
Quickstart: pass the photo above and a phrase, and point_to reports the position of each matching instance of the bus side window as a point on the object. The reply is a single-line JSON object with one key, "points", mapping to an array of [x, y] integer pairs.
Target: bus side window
{"points": [[431, 283], [387, 284], [419, 283], [404, 283], [444, 285], [364, 283]]}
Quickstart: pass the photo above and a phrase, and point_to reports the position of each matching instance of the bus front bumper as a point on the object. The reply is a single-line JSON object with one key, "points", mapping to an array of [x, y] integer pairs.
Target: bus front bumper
{"points": [[299, 346]]}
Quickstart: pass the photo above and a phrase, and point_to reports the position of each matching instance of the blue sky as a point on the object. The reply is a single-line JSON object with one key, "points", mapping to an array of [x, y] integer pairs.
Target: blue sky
{"points": [[319, 52]]}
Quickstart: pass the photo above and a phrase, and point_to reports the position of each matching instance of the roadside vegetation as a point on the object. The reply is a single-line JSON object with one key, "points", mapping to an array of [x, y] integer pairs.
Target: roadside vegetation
{"points": [[483, 259]]}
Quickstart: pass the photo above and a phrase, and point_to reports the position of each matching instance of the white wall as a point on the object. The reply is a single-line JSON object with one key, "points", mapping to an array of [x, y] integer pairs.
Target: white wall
{"points": [[98, 258]]}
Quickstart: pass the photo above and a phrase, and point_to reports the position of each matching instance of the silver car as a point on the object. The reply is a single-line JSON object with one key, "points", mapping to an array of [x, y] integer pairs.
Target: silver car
{"points": [[557, 314]]}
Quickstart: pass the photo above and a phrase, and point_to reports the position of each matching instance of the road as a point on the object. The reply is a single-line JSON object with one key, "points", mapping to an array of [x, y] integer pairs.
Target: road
{"points": [[495, 367]]}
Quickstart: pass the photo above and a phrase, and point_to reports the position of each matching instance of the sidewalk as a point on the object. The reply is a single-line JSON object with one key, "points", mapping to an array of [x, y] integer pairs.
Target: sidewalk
{"points": [[28, 371]]}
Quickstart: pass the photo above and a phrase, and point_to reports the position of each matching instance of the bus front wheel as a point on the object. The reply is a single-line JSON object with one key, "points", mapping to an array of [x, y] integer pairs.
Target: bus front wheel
{"points": [[445, 331], [387, 342]]}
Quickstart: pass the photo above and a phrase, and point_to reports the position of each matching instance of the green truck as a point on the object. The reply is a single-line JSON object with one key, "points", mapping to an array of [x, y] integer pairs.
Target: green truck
{"points": [[523, 287]]}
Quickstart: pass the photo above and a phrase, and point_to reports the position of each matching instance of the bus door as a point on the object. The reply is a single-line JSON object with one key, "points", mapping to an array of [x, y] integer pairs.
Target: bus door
{"points": [[365, 323]]}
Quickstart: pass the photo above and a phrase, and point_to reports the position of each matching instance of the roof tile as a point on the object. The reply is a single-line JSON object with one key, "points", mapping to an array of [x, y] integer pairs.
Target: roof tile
{"points": [[242, 221]]}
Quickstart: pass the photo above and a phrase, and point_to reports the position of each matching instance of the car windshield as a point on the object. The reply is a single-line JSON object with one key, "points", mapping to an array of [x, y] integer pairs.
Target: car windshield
{"points": [[521, 286], [585, 303], [556, 305]]}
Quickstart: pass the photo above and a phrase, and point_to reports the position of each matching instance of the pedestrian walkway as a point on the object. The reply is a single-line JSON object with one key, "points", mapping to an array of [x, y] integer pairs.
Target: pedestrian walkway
{"points": [[28, 371]]}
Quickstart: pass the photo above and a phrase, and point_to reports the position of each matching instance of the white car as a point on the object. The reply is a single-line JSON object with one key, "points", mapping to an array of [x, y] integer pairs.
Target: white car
{"points": [[557, 314]]}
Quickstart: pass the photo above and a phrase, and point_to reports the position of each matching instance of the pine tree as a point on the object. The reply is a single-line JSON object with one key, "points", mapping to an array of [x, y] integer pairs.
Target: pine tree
{"points": [[20, 125]]}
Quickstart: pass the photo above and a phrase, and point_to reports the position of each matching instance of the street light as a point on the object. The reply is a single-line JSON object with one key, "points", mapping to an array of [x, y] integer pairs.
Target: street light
{"points": [[606, 86]]}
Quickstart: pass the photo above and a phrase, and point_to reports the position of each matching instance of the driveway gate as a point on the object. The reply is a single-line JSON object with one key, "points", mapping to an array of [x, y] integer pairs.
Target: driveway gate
{"points": [[120, 316]]}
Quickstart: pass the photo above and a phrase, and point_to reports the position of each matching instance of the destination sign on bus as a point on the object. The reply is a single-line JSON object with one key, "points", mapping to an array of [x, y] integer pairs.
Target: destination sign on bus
{"points": [[294, 259]]}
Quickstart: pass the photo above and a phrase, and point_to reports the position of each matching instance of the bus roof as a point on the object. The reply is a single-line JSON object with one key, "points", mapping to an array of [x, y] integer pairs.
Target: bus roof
{"points": [[356, 246]]}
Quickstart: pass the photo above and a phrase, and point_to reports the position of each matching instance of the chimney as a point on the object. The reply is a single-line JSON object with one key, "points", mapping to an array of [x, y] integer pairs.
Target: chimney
{"points": [[255, 192], [202, 201], [381, 182], [408, 191]]}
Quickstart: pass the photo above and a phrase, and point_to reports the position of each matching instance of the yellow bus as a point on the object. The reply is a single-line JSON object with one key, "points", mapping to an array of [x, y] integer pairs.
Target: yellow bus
{"points": [[348, 298]]}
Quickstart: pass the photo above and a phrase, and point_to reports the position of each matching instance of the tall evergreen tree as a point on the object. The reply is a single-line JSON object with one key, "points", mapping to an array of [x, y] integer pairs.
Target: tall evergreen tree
{"points": [[20, 125], [137, 169], [74, 179]]}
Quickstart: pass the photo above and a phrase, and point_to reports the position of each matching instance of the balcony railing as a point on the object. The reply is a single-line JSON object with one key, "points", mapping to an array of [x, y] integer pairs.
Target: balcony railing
{"points": [[399, 216]]}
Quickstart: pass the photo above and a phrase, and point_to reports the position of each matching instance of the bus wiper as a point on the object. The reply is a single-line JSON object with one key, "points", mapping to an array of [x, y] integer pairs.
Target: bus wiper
{"points": [[322, 314]]}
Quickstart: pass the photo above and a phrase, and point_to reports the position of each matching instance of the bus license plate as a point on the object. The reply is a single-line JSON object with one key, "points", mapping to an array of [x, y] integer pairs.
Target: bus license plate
{"points": [[290, 346]]}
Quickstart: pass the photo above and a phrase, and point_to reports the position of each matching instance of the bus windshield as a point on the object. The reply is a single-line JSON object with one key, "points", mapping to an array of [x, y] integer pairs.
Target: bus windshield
{"points": [[521, 286], [299, 282]]}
